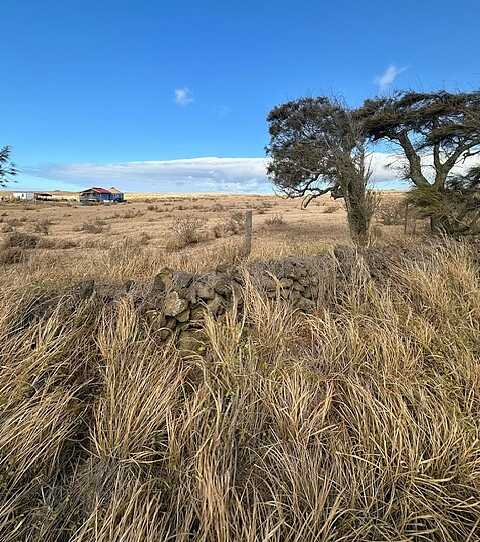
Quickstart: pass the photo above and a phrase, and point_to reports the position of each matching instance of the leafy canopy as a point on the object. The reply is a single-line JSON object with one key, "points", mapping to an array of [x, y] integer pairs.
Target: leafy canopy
{"points": [[313, 141], [7, 168], [443, 125]]}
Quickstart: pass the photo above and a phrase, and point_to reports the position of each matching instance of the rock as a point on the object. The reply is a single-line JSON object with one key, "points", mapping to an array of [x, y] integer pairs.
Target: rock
{"points": [[268, 284], [189, 342], [237, 292], [182, 279], [294, 296], [216, 305], [86, 288], [204, 291], [289, 270], [171, 323], [308, 293], [286, 282], [174, 304], [183, 316], [163, 280], [304, 281], [305, 305], [164, 334], [301, 270], [155, 318], [222, 286], [197, 313]]}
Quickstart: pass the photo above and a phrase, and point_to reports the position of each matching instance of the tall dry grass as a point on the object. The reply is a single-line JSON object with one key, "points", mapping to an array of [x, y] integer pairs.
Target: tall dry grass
{"points": [[359, 422]]}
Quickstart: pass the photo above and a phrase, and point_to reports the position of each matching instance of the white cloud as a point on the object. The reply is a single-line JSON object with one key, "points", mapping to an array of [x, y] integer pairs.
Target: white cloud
{"points": [[208, 174], [183, 96], [388, 76]]}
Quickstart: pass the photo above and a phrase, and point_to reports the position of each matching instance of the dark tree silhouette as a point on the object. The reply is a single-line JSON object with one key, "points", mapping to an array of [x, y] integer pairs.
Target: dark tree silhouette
{"points": [[317, 146], [7, 168], [456, 208], [443, 125]]}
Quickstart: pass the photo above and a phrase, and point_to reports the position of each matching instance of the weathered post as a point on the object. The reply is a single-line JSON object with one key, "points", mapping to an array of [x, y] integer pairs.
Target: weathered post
{"points": [[406, 218], [247, 248]]}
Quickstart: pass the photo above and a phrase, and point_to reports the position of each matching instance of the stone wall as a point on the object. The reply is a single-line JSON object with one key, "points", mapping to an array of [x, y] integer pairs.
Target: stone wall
{"points": [[176, 301]]}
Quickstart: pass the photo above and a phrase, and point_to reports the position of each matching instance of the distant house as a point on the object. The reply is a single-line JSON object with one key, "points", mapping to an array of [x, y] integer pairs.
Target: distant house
{"points": [[32, 195], [117, 195], [61, 195], [101, 195]]}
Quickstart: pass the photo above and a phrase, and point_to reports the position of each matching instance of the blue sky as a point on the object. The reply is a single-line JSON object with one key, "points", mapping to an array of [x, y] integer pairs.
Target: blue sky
{"points": [[156, 95]]}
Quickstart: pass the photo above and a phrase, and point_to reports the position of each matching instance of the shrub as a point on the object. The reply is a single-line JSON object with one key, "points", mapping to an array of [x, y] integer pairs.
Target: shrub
{"points": [[63, 244], [7, 228], [218, 230], [42, 226], [131, 213], [95, 227], [12, 255], [332, 208], [391, 211], [21, 240], [236, 221], [185, 231], [232, 225], [218, 208], [137, 240], [275, 220]]}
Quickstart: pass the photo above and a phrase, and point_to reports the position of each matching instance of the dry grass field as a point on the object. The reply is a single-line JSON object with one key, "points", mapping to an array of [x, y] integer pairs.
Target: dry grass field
{"points": [[188, 232], [359, 421]]}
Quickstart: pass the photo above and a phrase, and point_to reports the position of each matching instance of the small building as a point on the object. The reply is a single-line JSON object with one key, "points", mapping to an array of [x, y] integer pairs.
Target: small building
{"points": [[32, 195], [117, 195], [96, 195], [61, 195]]}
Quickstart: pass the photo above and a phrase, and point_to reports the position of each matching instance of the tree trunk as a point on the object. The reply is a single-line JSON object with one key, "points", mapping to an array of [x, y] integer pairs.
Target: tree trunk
{"points": [[359, 224], [438, 225], [358, 214]]}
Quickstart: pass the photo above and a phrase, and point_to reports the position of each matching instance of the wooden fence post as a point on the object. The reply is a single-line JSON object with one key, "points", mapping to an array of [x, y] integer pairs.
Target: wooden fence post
{"points": [[247, 247], [406, 218]]}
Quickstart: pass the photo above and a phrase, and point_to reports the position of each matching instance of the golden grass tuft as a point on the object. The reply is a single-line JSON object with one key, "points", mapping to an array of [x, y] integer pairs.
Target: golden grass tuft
{"points": [[358, 422]]}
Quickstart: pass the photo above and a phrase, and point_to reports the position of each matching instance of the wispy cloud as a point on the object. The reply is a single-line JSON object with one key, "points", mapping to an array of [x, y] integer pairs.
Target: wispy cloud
{"points": [[388, 76], [183, 96], [207, 174]]}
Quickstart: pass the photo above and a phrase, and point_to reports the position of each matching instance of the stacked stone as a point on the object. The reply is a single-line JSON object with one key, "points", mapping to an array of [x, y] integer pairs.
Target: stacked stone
{"points": [[185, 297], [177, 301]]}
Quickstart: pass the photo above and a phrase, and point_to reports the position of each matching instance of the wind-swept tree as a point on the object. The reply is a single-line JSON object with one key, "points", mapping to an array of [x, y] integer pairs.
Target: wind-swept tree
{"points": [[456, 208], [435, 131], [317, 146], [7, 168]]}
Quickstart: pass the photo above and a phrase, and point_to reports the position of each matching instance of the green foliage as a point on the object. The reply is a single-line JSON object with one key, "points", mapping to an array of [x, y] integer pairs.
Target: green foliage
{"points": [[453, 211], [317, 146], [444, 125], [7, 168]]}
